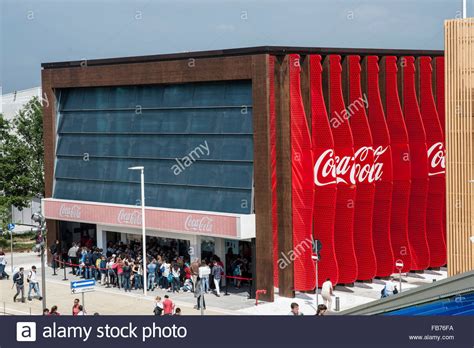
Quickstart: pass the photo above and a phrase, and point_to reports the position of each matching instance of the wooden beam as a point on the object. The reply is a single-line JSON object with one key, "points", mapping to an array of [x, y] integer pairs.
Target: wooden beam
{"points": [[283, 147], [262, 176]]}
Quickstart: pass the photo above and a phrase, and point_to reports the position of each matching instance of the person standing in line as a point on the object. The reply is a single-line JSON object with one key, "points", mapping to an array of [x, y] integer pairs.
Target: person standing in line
{"points": [[103, 270], [151, 272], [137, 277], [177, 311], [126, 276], [18, 281], [75, 307], [194, 272], [217, 272], [72, 254], [168, 306], [165, 272], [33, 283], [327, 293], [55, 251], [175, 283], [46, 311], [119, 270], [205, 278], [295, 309], [88, 270], [111, 271]]}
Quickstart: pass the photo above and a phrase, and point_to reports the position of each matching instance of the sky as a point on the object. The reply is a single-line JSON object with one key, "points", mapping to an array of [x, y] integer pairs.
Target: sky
{"points": [[38, 31]]}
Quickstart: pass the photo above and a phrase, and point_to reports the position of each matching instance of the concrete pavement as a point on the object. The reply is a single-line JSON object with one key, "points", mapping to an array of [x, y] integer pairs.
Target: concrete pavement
{"points": [[114, 301]]}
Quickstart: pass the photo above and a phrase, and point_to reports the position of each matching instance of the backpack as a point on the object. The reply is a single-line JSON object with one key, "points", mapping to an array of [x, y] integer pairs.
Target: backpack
{"points": [[157, 310]]}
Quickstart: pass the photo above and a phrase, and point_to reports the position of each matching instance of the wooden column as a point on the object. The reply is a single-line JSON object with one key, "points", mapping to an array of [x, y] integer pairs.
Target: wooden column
{"points": [[459, 77], [283, 165], [262, 176]]}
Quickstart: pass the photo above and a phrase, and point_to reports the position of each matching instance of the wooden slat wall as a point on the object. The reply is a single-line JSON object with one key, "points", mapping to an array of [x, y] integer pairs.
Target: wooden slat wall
{"points": [[459, 75]]}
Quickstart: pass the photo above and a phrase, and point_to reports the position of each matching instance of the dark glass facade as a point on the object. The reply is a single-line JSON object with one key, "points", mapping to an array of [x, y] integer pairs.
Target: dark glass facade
{"points": [[195, 141]]}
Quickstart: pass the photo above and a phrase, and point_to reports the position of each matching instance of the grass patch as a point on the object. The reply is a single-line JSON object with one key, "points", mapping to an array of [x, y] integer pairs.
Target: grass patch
{"points": [[21, 242]]}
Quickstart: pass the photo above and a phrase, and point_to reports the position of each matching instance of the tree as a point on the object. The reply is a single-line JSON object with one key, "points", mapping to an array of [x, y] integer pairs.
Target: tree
{"points": [[22, 151]]}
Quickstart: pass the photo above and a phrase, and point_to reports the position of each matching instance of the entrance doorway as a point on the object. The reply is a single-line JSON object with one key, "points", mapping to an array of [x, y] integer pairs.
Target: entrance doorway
{"points": [[208, 248], [76, 232]]}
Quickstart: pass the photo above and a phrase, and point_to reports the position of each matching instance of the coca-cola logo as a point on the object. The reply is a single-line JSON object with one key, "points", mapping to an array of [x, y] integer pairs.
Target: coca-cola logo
{"points": [[324, 169], [70, 211], [330, 169], [436, 159], [129, 217], [203, 224]]}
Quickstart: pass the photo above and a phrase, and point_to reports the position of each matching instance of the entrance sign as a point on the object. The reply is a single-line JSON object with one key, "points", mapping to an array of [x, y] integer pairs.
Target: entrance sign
{"points": [[239, 226]]}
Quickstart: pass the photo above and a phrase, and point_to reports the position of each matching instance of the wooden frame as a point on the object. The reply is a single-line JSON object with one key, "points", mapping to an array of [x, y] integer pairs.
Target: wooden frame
{"points": [[248, 67], [459, 82]]}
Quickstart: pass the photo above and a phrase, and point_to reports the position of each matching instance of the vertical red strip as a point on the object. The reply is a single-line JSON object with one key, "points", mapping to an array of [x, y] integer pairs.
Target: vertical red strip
{"points": [[419, 169], [324, 176], [441, 110], [271, 74], [344, 161], [401, 165], [363, 174], [302, 184], [383, 164], [436, 170]]}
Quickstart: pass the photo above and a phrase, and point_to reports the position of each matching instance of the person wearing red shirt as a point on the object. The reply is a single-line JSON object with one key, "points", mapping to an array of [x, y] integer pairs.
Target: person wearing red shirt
{"points": [[168, 306], [75, 307]]}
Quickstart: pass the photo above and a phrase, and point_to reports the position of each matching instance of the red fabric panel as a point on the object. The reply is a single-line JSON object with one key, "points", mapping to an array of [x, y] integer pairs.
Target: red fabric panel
{"points": [[440, 108], [363, 173], [271, 74], [383, 186], [302, 185], [401, 166], [324, 176], [344, 160], [436, 167], [419, 170]]}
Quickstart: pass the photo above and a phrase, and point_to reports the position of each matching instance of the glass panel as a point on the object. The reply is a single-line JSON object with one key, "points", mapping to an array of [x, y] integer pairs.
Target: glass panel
{"points": [[198, 153]]}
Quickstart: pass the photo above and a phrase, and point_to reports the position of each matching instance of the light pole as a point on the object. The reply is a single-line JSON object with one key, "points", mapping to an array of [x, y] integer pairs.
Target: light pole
{"points": [[142, 188], [316, 246]]}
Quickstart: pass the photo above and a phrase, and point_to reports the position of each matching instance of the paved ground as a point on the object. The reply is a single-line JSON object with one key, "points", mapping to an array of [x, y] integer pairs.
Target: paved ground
{"points": [[114, 301]]}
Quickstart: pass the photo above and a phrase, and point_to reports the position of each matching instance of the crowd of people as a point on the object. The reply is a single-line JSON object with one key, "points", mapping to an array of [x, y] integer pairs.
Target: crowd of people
{"points": [[120, 265]]}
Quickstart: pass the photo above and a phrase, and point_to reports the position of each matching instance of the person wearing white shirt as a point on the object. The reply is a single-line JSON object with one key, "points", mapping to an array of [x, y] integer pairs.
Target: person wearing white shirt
{"points": [[3, 264], [33, 283], [81, 310], [389, 287], [326, 293]]}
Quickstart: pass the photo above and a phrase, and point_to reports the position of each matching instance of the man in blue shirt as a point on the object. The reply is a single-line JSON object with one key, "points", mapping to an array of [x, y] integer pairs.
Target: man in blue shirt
{"points": [[151, 272]]}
